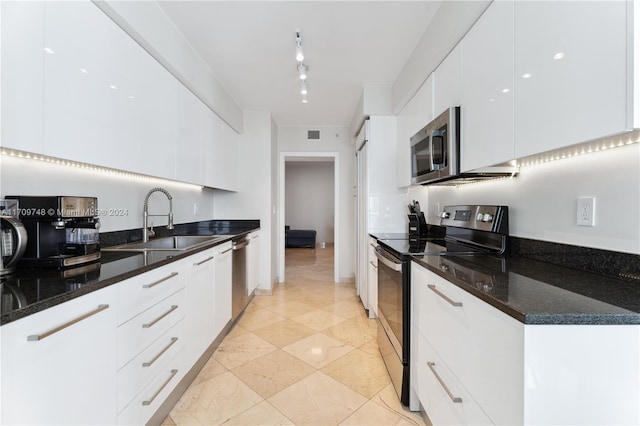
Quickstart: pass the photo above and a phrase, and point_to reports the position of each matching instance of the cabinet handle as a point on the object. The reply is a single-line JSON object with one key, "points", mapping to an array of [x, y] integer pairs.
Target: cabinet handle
{"points": [[161, 280], [155, 358], [150, 401], [149, 324], [373, 264], [373, 245], [436, 291], [227, 250], [203, 261], [455, 399], [37, 337]]}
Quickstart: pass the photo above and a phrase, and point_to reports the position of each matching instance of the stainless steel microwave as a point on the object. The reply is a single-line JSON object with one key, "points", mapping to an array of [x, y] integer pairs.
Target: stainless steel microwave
{"points": [[435, 149]]}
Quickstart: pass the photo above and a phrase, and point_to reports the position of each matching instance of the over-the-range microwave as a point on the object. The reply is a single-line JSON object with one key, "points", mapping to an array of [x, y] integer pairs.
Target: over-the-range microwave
{"points": [[435, 149]]}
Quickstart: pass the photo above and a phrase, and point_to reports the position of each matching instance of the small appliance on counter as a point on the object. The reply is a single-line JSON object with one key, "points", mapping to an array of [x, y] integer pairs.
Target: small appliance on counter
{"points": [[417, 223], [62, 231], [13, 236]]}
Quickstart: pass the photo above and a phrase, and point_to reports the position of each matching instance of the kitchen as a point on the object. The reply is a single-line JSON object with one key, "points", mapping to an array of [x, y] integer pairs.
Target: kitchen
{"points": [[260, 138]]}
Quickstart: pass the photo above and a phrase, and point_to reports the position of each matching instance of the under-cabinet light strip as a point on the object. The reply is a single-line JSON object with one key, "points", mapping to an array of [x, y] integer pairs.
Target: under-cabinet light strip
{"points": [[24, 155]]}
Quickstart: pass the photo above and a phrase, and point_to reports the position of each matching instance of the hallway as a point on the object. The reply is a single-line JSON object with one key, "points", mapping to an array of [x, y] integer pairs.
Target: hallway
{"points": [[305, 355]]}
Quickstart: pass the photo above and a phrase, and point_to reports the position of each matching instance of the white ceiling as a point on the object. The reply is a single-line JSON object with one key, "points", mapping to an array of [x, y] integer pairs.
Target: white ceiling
{"points": [[250, 47]]}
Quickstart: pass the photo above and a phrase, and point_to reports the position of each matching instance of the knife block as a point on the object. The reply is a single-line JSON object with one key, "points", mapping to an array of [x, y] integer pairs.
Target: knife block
{"points": [[417, 225]]}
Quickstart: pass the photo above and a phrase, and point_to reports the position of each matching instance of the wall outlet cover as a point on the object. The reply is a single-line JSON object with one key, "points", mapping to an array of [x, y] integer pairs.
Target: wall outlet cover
{"points": [[586, 211]]}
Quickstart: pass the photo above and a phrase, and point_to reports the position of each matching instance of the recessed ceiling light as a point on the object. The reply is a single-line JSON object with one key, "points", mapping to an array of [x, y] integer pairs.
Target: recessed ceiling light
{"points": [[558, 55]]}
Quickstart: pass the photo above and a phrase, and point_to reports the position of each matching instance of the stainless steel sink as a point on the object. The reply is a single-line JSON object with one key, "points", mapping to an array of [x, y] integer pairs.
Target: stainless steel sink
{"points": [[177, 242]]}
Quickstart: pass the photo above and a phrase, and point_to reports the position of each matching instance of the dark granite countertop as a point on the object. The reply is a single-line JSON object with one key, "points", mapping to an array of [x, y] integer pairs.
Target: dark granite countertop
{"points": [[40, 289], [536, 292]]}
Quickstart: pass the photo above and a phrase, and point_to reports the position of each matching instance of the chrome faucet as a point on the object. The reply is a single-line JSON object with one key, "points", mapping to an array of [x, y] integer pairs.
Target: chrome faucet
{"points": [[145, 213]]}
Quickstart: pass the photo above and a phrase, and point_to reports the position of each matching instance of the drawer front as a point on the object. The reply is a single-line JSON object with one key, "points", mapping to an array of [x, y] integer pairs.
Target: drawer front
{"points": [[140, 293], [443, 397], [147, 402], [482, 346], [136, 334], [137, 373]]}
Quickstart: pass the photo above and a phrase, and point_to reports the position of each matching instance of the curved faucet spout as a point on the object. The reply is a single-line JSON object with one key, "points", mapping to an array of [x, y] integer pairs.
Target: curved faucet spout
{"points": [[145, 212]]}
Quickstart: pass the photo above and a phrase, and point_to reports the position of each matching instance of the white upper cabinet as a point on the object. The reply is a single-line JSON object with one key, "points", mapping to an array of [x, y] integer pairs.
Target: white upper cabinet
{"points": [[220, 154], [447, 82], [413, 117], [487, 84], [22, 26], [572, 68], [191, 123]]}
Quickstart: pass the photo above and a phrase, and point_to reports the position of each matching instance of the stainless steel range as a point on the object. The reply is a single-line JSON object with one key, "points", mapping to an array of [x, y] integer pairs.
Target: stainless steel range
{"points": [[469, 229]]}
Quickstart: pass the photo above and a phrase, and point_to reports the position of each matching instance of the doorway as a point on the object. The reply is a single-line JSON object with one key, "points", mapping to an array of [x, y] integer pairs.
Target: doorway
{"points": [[311, 158]]}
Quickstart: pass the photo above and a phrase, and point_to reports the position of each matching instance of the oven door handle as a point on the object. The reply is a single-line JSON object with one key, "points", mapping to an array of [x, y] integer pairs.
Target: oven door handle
{"points": [[387, 262]]}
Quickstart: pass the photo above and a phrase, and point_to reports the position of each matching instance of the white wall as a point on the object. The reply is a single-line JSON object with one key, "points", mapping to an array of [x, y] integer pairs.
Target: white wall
{"points": [[309, 198], [254, 199], [542, 199], [334, 139], [120, 199]]}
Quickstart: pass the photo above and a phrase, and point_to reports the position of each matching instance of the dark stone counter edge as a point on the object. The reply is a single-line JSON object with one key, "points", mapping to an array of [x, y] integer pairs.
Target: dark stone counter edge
{"points": [[539, 318], [53, 301]]}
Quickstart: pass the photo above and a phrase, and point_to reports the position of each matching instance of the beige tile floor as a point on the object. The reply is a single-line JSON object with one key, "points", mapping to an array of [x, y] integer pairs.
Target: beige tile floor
{"points": [[306, 355]]}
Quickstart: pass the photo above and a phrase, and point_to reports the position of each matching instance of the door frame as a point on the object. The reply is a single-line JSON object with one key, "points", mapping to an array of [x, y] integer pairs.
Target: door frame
{"points": [[336, 207]]}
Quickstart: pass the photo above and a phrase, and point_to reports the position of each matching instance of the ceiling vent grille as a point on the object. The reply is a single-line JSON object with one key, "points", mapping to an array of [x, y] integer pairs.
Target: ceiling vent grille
{"points": [[313, 135]]}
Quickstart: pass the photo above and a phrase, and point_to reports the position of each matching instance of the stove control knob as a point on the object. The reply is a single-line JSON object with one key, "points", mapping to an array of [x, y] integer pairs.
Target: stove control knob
{"points": [[487, 217], [444, 215], [479, 217]]}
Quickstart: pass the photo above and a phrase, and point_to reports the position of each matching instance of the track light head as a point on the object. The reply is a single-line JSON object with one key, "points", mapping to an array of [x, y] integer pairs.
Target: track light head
{"points": [[302, 71], [299, 52], [303, 87]]}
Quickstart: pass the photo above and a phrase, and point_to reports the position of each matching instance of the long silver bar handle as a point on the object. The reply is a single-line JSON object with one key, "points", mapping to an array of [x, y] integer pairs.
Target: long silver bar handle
{"points": [[373, 264], [155, 358], [161, 280], [203, 261], [150, 324], [37, 337], [436, 291], [395, 266], [455, 399], [227, 250], [150, 401]]}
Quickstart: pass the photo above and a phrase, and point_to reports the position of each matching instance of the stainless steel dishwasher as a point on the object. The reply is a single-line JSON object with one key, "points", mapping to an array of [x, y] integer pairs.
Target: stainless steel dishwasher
{"points": [[239, 293]]}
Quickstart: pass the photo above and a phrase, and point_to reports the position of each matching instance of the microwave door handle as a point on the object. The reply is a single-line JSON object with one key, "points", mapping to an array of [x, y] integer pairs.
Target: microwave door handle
{"points": [[437, 137]]}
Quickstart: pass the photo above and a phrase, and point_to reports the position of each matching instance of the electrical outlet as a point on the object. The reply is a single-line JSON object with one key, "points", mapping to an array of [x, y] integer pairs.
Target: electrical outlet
{"points": [[196, 208], [586, 211]]}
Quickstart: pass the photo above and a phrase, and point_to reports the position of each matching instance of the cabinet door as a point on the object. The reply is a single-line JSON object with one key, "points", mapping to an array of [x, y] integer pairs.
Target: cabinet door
{"points": [[22, 55], [487, 82], [200, 303], [447, 82], [191, 120], [413, 117], [570, 72], [68, 376], [223, 285], [253, 262], [220, 154], [372, 278]]}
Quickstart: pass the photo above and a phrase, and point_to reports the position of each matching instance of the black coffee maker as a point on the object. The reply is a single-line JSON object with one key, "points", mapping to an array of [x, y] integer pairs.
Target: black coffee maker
{"points": [[62, 231], [417, 224]]}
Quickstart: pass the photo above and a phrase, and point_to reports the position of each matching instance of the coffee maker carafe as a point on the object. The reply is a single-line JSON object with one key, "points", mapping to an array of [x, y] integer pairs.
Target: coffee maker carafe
{"points": [[62, 231]]}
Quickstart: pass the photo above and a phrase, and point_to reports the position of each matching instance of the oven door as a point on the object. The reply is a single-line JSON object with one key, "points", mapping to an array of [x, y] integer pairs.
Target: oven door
{"points": [[391, 307]]}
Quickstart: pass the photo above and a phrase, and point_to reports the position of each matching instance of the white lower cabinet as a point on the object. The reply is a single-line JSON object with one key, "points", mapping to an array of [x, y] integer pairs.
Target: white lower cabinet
{"points": [[59, 371], [253, 262], [473, 364], [223, 286], [200, 303], [372, 278]]}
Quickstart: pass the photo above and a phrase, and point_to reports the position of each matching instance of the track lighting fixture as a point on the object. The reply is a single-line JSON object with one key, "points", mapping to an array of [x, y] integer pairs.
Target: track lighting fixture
{"points": [[303, 87], [302, 71], [304, 98], [299, 53]]}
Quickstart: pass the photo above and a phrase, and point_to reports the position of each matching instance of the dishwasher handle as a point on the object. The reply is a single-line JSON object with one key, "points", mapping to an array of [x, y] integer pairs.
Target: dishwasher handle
{"points": [[240, 244]]}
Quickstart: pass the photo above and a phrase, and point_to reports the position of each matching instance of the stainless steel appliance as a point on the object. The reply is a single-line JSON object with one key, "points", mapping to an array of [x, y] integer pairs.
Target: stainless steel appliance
{"points": [[13, 236], [239, 292], [62, 231], [470, 230], [435, 154]]}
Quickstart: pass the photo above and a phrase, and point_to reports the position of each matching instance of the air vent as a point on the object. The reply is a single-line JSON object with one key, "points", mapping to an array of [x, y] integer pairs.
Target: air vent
{"points": [[313, 135]]}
